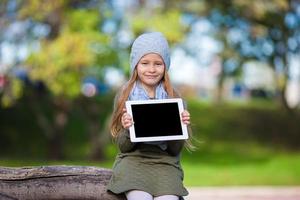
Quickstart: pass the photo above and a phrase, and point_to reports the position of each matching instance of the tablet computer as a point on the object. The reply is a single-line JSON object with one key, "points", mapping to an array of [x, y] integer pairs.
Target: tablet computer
{"points": [[156, 120]]}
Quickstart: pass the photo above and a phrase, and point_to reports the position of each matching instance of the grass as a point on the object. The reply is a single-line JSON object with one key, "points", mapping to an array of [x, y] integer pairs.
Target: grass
{"points": [[281, 169], [34, 163], [219, 165]]}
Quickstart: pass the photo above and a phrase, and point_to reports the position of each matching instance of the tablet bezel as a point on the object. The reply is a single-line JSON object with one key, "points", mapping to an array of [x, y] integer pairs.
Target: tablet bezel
{"points": [[179, 102]]}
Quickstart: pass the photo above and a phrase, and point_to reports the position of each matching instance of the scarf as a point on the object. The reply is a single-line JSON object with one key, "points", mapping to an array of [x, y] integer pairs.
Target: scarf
{"points": [[138, 92]]}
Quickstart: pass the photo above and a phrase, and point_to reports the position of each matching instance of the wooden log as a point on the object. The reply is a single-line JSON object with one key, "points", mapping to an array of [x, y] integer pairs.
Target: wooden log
{"points": [[56, 182]]}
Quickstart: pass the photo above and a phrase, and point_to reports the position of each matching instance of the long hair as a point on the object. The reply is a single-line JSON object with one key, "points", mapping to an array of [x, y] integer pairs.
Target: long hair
{"points": [[122, 96], [119, 104]]}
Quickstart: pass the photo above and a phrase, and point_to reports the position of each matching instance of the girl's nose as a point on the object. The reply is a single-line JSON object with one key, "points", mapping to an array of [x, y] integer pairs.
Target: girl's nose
{"points": [[152, 68]]}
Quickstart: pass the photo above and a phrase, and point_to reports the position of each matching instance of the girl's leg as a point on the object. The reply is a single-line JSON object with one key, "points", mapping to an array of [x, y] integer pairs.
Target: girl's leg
{"points": [[167, 197], [138, 195]]}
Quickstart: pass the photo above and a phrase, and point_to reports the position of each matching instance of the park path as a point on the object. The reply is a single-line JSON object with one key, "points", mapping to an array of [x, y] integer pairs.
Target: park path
{"points": [[244, 193]]}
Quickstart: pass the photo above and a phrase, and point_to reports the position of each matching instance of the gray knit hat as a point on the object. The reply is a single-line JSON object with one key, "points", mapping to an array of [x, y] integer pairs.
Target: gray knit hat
{"points": [[146, 43]]}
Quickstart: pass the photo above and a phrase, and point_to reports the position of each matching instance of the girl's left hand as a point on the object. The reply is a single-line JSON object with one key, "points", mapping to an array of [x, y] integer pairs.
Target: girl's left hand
{"points": [[185, 117]]}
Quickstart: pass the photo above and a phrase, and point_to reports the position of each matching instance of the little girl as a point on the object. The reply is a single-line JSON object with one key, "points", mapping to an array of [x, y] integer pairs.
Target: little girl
{"points": [[146, 170]]}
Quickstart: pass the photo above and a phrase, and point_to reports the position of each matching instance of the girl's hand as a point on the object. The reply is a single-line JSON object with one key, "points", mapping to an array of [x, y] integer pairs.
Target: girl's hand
{"points": [[126, 120], [185, 117]]}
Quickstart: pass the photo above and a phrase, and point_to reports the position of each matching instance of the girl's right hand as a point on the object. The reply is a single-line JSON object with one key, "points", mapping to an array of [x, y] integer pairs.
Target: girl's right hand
{"points": [[126, 120]]}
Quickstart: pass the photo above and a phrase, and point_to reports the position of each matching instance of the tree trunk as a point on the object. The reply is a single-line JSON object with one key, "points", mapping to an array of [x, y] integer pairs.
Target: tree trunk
{"points": [[56, 141], [218, 99], [281, 85], [52, 127], [96, 118], [283, 100], [56, 182], [97, 148]]}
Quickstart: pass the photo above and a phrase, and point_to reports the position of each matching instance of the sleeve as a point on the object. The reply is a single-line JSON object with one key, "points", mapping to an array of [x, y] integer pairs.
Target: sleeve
{"points": [[123, 141], [175, 147]]}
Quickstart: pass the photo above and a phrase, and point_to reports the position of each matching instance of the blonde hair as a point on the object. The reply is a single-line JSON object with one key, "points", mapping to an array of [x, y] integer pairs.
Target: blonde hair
{"points": [[122, 96]]}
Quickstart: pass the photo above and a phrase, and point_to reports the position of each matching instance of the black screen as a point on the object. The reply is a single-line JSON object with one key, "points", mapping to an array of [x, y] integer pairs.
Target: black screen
{"points": [[161, 119]]}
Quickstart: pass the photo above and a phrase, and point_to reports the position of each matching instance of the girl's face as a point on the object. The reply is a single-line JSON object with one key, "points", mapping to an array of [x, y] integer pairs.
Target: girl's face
{"points": [[150, 69]]}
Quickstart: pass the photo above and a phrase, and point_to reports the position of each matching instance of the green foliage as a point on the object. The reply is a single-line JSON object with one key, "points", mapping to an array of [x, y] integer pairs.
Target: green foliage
{"points": [[60, 63], [63, 62], [12, 92], [167, 22], [83, 20], [41, 10], [258, 9], [22, 137], [263, 122]]}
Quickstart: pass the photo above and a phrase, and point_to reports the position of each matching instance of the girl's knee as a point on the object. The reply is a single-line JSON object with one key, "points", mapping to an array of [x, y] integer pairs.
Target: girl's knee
{"points": [[138, 195], [167, 197]]}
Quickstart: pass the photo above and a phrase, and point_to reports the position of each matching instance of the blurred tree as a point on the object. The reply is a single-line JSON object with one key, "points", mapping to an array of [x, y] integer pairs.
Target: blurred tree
{"points": [[227, 54], [10, 88], [153, 16], [166, 22], [73, 49], [269, 32]]}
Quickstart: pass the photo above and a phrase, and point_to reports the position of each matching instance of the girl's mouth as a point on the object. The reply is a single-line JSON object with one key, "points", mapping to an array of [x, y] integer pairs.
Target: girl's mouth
{"points": [[151, 76]]}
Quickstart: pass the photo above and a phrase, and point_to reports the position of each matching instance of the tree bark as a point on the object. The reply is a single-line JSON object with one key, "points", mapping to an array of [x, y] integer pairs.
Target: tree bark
{"points": [[219, 96], [56, 182]]}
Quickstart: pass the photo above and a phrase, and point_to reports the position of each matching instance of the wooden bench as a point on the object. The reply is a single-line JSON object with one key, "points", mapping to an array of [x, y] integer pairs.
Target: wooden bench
{"points": [[55, 182]]}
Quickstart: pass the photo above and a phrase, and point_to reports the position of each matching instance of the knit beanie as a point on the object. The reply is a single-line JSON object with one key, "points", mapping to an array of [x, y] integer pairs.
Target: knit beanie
{"points": [[153, 42]]}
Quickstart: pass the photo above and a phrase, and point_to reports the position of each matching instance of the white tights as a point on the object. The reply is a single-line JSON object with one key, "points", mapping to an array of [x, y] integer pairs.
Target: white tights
{"points": [[141, 195]]}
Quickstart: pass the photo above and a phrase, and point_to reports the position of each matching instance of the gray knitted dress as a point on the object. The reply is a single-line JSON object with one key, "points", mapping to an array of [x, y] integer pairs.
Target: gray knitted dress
{"points": [[147, 167]]}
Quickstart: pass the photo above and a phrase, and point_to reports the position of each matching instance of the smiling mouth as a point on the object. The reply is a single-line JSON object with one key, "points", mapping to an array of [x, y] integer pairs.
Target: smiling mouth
{"points": [[151, 77]]}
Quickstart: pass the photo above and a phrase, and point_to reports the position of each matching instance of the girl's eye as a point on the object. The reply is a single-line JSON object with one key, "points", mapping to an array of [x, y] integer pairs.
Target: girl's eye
{"points": [[158, 64]]}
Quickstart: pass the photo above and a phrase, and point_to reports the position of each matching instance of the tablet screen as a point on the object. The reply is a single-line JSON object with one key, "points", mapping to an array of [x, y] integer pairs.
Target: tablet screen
{"points": [[156, 120], [159, 119]]}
